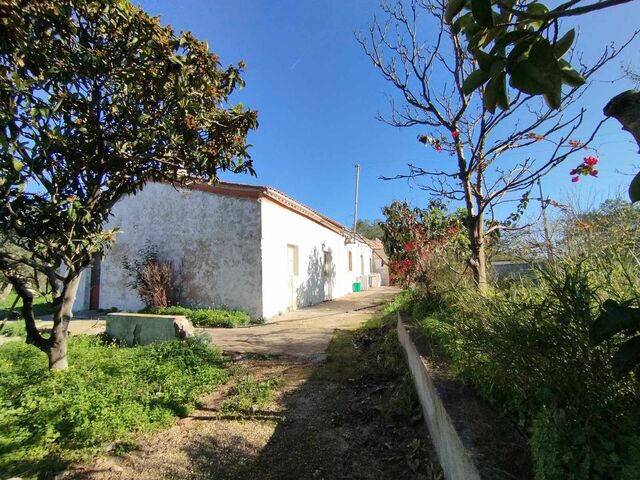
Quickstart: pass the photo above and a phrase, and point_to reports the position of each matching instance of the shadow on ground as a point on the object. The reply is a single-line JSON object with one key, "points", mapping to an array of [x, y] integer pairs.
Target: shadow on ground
{"points": [[353, 417]]}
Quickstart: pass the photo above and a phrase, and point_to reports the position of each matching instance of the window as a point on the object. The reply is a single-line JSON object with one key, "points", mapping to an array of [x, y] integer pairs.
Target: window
{"points": [[292, 260], [361, 264], [350, 262], [327, 262]]}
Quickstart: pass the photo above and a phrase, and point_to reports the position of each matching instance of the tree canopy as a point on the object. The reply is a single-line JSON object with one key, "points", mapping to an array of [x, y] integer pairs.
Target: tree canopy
{"points": [[369, 228], [96, 99]]}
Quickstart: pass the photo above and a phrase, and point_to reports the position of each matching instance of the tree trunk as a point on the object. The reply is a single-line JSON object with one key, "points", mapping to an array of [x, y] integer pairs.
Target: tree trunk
{"points": [[56, 345], [478, 261], [62, 314]]}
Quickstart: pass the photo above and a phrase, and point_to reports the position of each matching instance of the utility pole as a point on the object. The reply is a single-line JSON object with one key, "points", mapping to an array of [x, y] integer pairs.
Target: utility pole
{"points": [[355, 204]]}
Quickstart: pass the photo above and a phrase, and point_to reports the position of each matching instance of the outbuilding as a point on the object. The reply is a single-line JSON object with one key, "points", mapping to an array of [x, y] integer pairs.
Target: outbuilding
{"points": [[239, 246]]}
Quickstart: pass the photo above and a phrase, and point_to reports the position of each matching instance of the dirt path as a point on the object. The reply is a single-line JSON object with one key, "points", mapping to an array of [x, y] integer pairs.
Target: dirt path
{"points": [[350, 417], [304, 333]]}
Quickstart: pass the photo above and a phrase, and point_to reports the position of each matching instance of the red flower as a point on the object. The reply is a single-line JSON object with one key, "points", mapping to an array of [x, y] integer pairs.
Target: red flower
{"points": [[575, 179], [455, 133], [438, 147], [408, 247], [594, 173], [590, 161]]}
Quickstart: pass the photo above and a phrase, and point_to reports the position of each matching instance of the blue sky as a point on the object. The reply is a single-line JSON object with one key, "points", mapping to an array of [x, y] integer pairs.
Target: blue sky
{"points": [[317, 95]]}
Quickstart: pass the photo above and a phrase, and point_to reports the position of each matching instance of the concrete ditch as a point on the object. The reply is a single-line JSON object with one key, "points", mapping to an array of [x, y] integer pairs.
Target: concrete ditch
{"points": [[471, 439]]}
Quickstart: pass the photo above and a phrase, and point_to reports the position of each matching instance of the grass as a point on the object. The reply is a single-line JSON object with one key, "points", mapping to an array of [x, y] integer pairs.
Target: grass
{"points": [[527, 350], [374, 347], [13, 329], [108, 395], [251, 395], [206, 317], [40, 307]]}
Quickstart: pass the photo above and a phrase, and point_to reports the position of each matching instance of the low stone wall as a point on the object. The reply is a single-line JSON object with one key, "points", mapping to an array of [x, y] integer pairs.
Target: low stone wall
{"points": [[142, 329], [471, 438], [456, 463]]}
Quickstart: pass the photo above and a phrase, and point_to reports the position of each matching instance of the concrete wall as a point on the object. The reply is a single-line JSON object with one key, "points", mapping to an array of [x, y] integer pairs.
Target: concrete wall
{"points": [[141, 329], [380, 266], [314, 282], [235, 252], [454, 459], [218, 237]]}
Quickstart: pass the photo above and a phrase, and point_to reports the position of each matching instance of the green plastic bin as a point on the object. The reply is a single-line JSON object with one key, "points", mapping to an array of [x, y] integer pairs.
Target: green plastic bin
{"points": [[356, 287]]}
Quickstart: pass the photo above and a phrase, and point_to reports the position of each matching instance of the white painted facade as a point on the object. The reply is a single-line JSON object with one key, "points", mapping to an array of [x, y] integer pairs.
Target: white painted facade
{"points": [[243, 247]]}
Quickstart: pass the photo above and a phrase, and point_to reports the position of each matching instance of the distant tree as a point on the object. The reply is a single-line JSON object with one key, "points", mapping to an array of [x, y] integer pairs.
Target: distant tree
{"points": [[482, 133], [96, 99], [369, 229]]}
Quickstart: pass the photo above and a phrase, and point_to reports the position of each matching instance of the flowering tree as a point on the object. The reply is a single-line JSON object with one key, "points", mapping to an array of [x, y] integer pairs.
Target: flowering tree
{"points": [[480, 151], [419, 240], [97, 98]]}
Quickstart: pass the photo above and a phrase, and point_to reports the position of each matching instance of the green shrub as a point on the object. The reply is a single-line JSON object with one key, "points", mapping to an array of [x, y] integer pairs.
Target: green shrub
{"points": [[402, 302], [207, 317], [108, 394], [527, 350]]}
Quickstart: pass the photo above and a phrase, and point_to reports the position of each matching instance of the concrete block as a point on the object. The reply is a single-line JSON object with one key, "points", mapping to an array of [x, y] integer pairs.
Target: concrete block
{"points": [[142, 329]]}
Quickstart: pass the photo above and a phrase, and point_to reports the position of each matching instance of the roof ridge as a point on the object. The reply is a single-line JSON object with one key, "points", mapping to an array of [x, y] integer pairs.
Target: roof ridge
{"points": [[271, 192]]}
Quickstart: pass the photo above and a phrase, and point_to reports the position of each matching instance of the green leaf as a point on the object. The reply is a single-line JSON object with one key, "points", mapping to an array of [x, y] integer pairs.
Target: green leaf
{"points": [[570, 76], [489, 96], [634, 189], [538, 9], [475, 80], [463, 23], [553, 99], [482, 12], [523, 76], [614, 319], [502, 97], [627, 357], [513, 36], [546, 65], [17, 164], [454, 7], [563, 45], [485, 60], [537, 73]]}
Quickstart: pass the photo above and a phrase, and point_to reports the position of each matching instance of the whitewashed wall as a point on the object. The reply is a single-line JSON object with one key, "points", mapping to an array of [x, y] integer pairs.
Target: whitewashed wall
{"points": [[234, 250], [82, 295], [217, 236], [280, 292], [379, 266]]}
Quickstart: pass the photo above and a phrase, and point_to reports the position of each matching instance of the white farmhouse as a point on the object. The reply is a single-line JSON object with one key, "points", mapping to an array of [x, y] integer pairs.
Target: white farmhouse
{"points": [[245, 247]]}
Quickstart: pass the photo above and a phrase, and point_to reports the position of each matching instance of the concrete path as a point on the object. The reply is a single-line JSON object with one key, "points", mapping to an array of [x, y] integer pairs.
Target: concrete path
{"points": [[304, 333]]}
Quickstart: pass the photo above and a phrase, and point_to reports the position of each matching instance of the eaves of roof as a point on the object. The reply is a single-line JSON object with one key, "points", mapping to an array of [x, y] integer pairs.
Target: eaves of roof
{"points": [[241, 190]]}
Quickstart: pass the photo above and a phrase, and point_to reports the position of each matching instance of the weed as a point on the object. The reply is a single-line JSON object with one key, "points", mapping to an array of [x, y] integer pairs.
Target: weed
{"points": [[108, 394], [250, 395]]}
